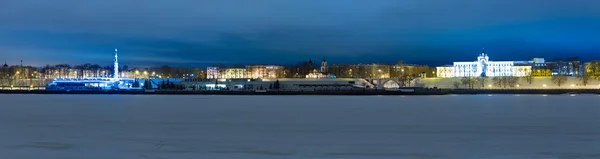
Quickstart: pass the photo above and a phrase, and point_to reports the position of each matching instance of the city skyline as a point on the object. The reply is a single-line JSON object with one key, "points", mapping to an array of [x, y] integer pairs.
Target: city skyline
{"points": [[315, 61], [198, 34]]}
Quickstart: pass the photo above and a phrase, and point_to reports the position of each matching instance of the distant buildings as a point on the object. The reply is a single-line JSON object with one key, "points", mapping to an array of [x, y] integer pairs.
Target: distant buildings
{"points": [[212, 72], [233, 73], [20, 75], [264, 71], [483, 67], [381, 71], [592, 69], [323, 73]]}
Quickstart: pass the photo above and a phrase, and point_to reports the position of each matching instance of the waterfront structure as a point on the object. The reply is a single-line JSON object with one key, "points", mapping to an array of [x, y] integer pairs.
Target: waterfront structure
{"points": [[295, 84], [264, 71], [483, 67]]}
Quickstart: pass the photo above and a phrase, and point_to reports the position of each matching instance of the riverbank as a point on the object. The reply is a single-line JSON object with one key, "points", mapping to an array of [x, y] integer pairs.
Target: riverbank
{"points": [[319, 92], [225, 92]]}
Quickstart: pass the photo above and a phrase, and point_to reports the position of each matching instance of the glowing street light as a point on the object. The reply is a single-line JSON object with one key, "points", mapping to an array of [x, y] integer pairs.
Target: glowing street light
{"points": [[490, 85], [518, 85], [544, 85]]}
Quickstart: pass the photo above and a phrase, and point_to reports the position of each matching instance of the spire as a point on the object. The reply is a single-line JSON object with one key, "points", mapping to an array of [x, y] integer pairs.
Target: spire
{"points": [[116, 75], [5, 64]]}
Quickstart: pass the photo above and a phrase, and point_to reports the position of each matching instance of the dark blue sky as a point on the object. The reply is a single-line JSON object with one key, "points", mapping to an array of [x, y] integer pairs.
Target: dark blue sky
{"points": [[206, 32]]}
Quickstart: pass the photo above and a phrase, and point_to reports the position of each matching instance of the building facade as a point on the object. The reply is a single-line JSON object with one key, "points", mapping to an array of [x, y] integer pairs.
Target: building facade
{"points": [[233, 73], [404, 70], [483, 67], [212, 72], [264, 71], [592, 68]]}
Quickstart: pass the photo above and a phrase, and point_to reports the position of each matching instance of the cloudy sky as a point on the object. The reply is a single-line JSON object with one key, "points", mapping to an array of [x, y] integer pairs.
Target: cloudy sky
{"points": [[206, 32]]}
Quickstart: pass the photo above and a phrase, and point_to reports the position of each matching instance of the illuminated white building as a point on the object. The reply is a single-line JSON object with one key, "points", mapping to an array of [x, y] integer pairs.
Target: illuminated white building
{"points": [[483, 68], [212, 72]]}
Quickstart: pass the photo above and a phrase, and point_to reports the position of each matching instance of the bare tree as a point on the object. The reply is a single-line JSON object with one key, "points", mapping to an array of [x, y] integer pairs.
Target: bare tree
{"points": [[512, 81], [584, 79], [456, 84], [507, 81], [468, 82], [481, 81], [559, 79], [529, 78]]}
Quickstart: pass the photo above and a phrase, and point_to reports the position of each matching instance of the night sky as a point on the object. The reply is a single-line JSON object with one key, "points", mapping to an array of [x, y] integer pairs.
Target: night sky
{"points": [[206, 32]]}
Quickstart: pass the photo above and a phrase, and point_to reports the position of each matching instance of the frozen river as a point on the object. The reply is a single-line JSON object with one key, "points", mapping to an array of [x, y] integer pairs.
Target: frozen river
{"points": [[299, 127]]}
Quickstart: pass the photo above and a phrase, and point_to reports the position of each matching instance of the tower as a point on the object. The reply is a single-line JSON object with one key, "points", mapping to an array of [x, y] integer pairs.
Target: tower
{"points": [[324, 66], [5, 64], [116, 75], [482, 62]]}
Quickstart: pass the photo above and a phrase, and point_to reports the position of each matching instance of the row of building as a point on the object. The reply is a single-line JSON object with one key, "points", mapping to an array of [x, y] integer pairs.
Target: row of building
{"points": [[483, 66]]}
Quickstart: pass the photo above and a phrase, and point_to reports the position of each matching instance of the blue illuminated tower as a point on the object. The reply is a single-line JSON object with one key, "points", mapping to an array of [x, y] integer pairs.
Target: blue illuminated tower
{"points": [[116, 75]]}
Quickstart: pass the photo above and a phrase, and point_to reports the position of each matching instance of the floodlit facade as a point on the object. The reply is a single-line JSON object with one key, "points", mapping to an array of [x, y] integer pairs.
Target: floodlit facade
{"points": [[233, 73], [483, 67], [264, 71], [445, 71]]}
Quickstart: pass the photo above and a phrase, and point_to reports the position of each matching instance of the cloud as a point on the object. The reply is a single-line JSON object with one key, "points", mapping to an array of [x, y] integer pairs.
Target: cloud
{"points": [[275, 31]]}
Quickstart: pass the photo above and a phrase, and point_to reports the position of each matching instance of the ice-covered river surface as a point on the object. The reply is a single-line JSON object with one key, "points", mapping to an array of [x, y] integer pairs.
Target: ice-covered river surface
{"points": [[299, 127]]}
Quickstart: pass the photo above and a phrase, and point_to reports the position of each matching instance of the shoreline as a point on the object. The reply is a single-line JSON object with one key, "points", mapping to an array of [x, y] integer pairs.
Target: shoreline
{"points": [[318, 92]]}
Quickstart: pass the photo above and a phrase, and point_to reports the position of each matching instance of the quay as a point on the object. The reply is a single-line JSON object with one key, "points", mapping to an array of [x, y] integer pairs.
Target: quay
{"points": [[412, 91]]}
